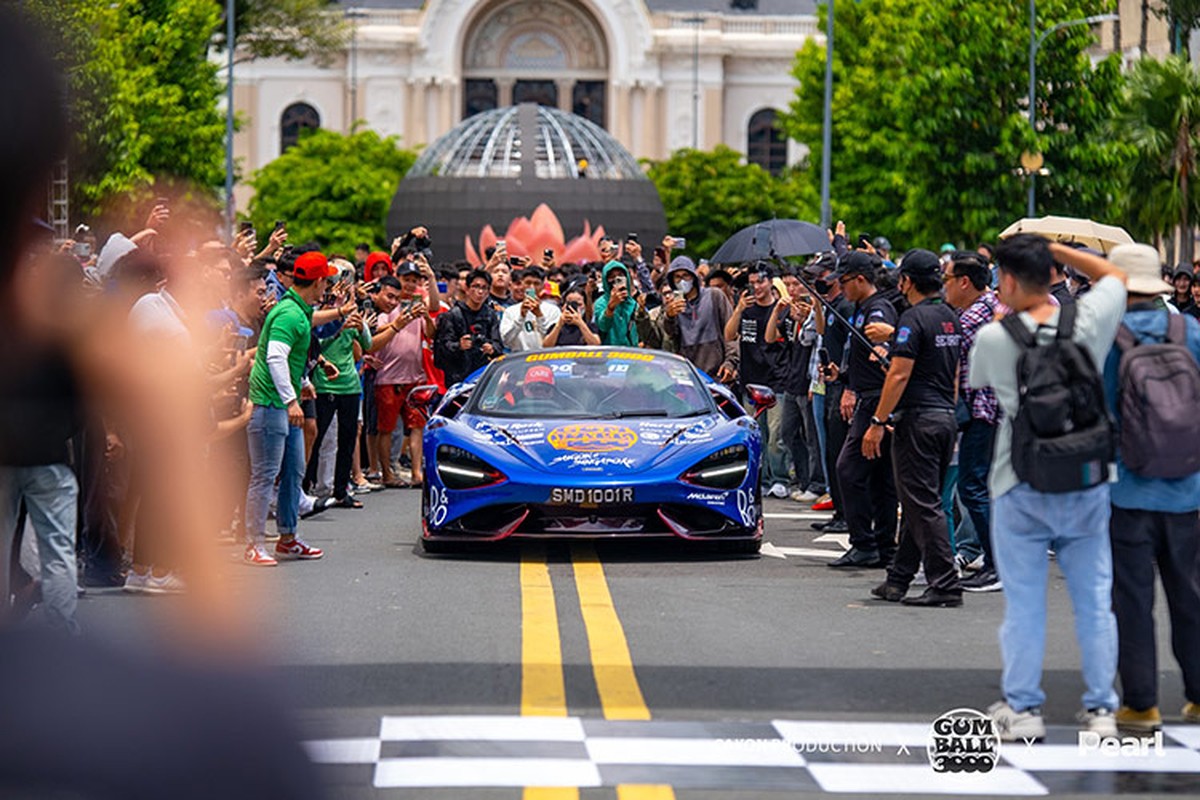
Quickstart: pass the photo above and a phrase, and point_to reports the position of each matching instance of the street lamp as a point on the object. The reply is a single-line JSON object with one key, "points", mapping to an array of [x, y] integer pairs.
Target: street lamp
{"points": [[354, 15], [1035, 44], [229, 48], [827, 126], [696, 22]]}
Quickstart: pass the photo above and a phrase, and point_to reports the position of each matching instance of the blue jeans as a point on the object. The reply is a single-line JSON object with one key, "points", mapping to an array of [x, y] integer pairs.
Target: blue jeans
{"points": [[276, 450], [1026, 524], [50, 493], [775, 452], [818, 410], [974, 459]]}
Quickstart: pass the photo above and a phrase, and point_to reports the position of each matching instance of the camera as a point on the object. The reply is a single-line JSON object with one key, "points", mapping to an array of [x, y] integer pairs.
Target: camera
{"points": [[822, 286]]}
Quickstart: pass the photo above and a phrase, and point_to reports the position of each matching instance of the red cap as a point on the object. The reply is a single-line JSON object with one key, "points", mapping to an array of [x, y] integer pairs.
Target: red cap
{"points": [[378, 257], [539, 374], [311, 266]]}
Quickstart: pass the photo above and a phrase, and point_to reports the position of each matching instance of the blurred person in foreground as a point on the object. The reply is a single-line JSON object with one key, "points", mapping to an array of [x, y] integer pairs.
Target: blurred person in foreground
{"points": [[141, 735], [1071, 520]]}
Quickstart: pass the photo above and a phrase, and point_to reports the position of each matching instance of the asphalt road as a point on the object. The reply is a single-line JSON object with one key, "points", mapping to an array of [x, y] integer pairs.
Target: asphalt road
{"points": [[643, 668]]}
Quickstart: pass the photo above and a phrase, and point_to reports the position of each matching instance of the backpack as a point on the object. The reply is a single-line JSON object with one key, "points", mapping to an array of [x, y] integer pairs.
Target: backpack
{"points": [[1159, 394], [1062, 436]]}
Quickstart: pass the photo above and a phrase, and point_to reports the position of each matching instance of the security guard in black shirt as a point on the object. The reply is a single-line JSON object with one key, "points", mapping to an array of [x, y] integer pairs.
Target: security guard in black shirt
{"points": [[918, 400], [867, 487]]}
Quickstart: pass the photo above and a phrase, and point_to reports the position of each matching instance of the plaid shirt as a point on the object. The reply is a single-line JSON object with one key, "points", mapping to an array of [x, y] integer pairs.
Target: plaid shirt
{"points": [[982, 402]]}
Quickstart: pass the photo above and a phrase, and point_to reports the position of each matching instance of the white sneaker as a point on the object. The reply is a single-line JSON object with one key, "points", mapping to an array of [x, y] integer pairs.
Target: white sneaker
{"points": [[919, 579], [167, 584], [1100, 721], [804, 496], [307, 501], [778, 490], [968, 566], [135, 582], [1015, 726]]}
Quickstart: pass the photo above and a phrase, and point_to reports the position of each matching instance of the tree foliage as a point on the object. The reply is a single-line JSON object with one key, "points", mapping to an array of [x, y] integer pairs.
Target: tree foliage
{"points": [[143, 96], [331, 189], [930, 117], [708, 196], [290, 29], [1160, 119]]}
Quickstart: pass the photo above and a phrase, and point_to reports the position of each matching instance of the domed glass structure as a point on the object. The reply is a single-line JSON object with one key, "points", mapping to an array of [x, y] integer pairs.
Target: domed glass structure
{"points": [[496, 143], [500, 165]]}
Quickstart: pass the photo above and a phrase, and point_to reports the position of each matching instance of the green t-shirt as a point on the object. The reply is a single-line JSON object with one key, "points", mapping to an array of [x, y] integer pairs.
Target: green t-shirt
{"points": [[339, 351], [289, 322]]}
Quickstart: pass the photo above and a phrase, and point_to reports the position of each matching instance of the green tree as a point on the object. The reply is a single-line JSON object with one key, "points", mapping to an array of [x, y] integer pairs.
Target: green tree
{"points": [[930, 117], [708, 196], [331, 189], [290, 29], [1160, 120], [143, 97]]}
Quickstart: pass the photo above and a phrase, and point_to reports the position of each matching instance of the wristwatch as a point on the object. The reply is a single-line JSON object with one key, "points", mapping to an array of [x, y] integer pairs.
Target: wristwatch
{"points": [[881, 422]]}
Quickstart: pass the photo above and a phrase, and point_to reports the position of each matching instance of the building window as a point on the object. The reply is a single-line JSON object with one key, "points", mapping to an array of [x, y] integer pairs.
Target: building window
{"points": [[765, 143], [296, 118], [544, 93], [587, 100], [480, 95]]}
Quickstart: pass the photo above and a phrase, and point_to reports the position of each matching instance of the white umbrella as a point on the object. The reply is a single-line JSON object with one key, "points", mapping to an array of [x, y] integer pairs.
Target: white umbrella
{"points": [[1072, 229]]}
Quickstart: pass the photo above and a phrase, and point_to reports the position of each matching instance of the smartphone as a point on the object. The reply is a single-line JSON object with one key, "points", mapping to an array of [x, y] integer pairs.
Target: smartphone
{"points": [[864, 238], [531, 293], [548, 253], [162, 201], [823, 357], [631, 237], [514, 261], [678, 242], [82, 250], [280, 224], [500, 245]]}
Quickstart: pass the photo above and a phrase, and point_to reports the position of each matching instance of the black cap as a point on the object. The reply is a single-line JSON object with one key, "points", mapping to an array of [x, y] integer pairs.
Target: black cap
{"points": [[857, 262], [406, 268], [921, 264], [1184, 271]]}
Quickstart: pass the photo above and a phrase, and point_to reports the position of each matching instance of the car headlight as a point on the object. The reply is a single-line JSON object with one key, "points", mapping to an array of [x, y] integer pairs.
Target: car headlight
{"points": [[459, 469], [724, 469]]}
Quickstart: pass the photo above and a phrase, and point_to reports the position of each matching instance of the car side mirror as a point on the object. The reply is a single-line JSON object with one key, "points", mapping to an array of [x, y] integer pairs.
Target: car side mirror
{"points": [[422, 396], [761, 397]]}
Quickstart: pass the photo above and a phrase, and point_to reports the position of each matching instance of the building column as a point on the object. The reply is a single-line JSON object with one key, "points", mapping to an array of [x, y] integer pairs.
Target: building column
{"points": [[566, 92], [504, 91], [620, 116]]}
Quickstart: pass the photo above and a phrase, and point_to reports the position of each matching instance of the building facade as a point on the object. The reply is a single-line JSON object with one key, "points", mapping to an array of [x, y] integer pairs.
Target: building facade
{"points": [[657, 74]]}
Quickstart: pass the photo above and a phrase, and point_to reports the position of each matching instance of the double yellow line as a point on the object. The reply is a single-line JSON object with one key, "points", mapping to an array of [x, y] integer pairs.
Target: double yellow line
{"points": [[543, 689]]}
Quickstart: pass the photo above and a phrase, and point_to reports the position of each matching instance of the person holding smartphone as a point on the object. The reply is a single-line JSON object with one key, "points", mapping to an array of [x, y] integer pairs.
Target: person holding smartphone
{"points": [[573, 328], [523, 326], [615, 308]]}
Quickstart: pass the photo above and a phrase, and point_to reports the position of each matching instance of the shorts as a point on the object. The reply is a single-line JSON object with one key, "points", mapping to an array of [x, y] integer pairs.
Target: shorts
{"points": [[391, 407]]}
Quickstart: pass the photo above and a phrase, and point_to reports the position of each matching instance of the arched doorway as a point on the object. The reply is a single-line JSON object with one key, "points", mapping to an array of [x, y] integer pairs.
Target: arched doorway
{"points": [[550, 52]]}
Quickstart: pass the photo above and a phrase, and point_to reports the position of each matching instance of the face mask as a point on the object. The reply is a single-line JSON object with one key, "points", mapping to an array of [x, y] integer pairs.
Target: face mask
{"points": [[684, 286]]}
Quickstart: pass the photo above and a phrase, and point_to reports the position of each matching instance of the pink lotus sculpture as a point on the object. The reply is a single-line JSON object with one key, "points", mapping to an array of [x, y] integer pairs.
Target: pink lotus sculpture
{"points": [[530, 236]]}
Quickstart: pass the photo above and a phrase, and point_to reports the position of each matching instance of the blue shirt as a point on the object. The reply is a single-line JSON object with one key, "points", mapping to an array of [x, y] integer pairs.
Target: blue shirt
{"points": [[1174, 496]]}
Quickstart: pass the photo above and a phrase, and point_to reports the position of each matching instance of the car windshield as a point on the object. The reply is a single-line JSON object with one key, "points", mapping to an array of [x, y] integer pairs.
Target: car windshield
{"points": [[591, 385]]}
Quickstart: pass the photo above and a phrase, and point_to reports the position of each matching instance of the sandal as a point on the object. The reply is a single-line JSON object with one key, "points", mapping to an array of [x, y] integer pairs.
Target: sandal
{"points": [[347, 502], [395, 485]]}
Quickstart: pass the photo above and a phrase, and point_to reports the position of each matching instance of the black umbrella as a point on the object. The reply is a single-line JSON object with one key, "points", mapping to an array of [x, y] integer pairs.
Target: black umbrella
{"points": [[775, 237]]}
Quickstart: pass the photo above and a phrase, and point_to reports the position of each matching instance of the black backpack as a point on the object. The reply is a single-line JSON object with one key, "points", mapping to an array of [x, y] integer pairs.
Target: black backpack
{"points": [[1062, 436], [1159, 395]]}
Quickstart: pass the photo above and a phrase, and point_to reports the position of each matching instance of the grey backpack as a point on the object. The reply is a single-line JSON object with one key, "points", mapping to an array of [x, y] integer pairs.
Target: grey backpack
{"points": [[1159, 396]]}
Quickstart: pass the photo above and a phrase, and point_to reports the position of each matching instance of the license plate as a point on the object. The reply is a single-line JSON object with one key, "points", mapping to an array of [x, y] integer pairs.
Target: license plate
{"points": [[591, 497]]}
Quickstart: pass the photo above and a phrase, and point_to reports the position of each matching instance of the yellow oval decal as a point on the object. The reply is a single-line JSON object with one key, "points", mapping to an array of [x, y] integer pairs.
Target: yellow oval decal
{"points": [[592, 438]]}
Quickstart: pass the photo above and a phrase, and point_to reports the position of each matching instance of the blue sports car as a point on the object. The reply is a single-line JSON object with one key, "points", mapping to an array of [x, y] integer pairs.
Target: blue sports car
{"points": [[603, 442]]}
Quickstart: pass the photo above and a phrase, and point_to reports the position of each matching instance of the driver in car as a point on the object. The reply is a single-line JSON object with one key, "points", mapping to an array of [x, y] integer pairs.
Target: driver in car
{"points": [[537, 389]]}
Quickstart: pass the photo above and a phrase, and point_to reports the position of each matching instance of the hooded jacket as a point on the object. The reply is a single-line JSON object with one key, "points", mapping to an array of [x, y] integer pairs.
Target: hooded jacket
{"points": [[699, 330], [618, 328]]}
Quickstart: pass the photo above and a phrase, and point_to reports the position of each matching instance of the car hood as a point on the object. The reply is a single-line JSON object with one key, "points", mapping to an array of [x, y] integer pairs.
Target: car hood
{"points": [[612, 447]]}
